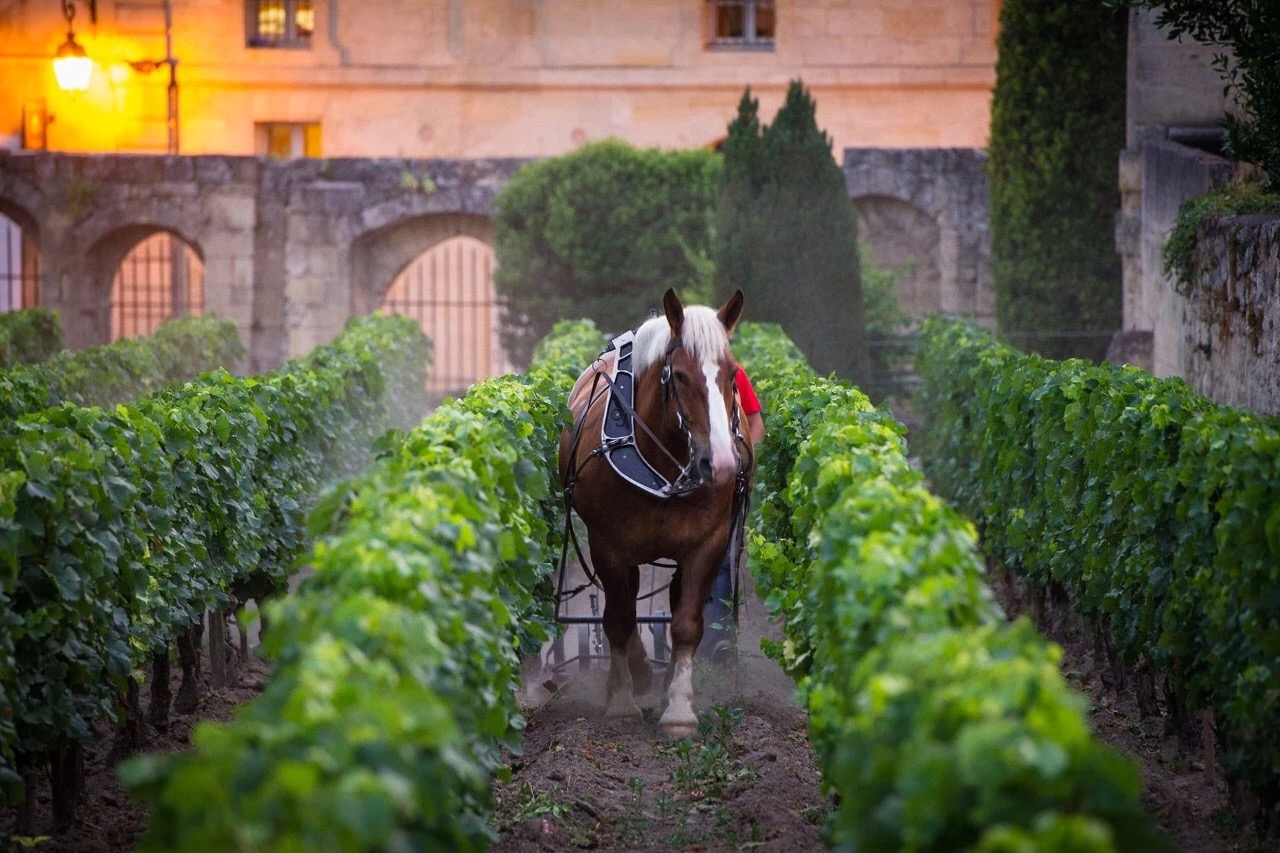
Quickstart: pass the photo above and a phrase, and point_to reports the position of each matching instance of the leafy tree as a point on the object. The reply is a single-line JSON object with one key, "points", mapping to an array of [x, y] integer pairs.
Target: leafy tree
{"points": [[1057, 123], [600, 233], [787, 233], [1250, 32]]}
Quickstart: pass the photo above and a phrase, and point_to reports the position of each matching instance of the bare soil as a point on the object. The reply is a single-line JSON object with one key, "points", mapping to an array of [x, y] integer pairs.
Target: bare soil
{"points": [[748, 780], [107, 821]]}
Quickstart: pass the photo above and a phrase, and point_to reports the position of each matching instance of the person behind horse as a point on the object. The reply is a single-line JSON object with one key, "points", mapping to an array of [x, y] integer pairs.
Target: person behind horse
{"points": [[718, 637]]}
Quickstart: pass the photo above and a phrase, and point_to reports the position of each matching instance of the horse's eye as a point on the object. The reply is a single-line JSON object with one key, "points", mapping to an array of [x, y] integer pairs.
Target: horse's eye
{"points": [[682, 378]]}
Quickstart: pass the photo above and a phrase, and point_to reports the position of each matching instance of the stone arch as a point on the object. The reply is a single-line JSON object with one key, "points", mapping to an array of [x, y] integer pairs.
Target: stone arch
{"points": [[21, 200], [380, 255], [948, 187], [103, 263], [903, 238], [438, 270]]}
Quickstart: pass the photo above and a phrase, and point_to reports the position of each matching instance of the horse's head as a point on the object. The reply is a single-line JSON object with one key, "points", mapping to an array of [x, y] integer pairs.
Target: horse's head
{"points": [[697, 383]]}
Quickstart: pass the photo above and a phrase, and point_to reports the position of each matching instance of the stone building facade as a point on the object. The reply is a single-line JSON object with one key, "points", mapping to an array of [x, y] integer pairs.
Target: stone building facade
{"points": [[1174, 97], [498, 78]]}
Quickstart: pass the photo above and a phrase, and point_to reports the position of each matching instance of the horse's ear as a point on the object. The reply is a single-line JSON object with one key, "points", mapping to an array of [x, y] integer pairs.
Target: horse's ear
{"points": [[674, 310], [731, 311]]}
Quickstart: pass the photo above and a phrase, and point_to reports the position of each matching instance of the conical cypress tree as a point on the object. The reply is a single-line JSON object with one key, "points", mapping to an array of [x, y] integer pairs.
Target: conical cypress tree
{"points": [[787, 234], [739, 224]]}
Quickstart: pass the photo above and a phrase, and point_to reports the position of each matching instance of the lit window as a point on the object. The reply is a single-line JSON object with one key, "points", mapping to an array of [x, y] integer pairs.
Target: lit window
{"points": [[285, 140], [741, 24], [279, 23]]}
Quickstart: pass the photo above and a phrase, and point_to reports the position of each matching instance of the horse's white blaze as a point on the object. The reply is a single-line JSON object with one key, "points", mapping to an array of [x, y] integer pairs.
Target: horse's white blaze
{"points": [[679, 710], [724, 464]]}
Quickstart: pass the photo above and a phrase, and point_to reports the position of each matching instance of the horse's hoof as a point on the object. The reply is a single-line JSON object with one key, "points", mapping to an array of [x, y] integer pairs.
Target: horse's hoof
{"points": [[622, 710], [678, 731]]}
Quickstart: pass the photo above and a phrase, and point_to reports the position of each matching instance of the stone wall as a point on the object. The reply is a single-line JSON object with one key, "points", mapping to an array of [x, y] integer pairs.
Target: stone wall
{"points": [[927, 208], [1168, 82], [1231, 317], [290, 249], [1155, 180]]}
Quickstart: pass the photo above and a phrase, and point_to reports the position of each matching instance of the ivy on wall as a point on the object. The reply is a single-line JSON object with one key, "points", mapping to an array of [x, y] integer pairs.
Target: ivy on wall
{"points": [[1057, 124]]}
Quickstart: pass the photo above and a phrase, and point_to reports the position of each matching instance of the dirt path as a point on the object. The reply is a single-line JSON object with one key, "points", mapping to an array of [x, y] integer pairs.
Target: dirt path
{"points": [[747, 781]]}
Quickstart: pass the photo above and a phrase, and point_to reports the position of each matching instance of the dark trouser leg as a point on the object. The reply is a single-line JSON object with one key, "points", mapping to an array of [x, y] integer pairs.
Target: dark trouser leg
{"points": [[718, 636]]}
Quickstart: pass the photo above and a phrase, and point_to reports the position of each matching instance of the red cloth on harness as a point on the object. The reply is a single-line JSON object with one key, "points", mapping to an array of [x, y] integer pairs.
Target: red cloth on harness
{"points": [[746, 394]]}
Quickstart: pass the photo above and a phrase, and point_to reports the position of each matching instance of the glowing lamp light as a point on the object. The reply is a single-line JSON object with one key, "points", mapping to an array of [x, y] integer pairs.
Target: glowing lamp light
{"points": [[72, 66]]}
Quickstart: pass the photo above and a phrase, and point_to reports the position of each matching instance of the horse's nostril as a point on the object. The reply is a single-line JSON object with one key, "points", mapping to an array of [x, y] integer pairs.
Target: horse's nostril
{"points": [[704, 467]]}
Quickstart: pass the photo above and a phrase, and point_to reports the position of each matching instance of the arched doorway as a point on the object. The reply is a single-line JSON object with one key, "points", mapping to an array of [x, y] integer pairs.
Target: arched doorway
{"points": [[448, 290], [19, 267], [159, 278], [902, 237]]}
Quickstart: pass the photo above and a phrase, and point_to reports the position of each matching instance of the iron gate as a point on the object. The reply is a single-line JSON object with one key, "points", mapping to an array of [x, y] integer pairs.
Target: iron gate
{"points": [[448, 290], [19, 267], [161, 277]]}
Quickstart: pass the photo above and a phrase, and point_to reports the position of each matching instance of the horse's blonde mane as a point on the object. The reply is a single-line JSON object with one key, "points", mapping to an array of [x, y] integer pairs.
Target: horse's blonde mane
{"points": [[703, 335]]}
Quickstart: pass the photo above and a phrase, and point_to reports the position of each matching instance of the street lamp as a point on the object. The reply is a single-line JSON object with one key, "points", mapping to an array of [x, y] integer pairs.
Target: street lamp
{"points": [[71, 65]]}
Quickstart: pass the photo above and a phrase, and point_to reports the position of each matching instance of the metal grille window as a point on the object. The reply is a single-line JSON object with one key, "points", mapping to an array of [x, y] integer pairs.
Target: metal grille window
{"points": [[161, 277], [19, 268], [449, 290], [741, 24], [279, 23]]}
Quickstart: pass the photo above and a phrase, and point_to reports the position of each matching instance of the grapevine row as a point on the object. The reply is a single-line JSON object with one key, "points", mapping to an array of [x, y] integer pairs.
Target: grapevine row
{"points": [[28, 336], [1157, 511], [119, 527], [939, 725], [178, 351], [394, 665]]}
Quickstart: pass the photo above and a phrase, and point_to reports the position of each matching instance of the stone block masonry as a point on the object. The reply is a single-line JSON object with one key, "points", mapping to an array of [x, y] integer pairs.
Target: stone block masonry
{"points": [[1231, 317]]}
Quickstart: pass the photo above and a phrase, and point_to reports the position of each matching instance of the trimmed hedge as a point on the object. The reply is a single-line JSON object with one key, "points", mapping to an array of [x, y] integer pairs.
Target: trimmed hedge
{"points": [[1156, 510], [118, 527], [1057, 121], [28, 337], [178, 351], [939, 726], [597, 232], [395, 665]]}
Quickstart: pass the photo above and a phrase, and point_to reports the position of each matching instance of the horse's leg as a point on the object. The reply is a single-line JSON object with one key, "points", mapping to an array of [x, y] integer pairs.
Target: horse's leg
{"points": [[696, 574], [637, 658], [673, 594], [620, 628]]}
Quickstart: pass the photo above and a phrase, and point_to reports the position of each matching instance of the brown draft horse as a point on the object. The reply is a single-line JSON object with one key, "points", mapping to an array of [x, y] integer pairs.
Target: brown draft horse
{"points": [[685, 395]]}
